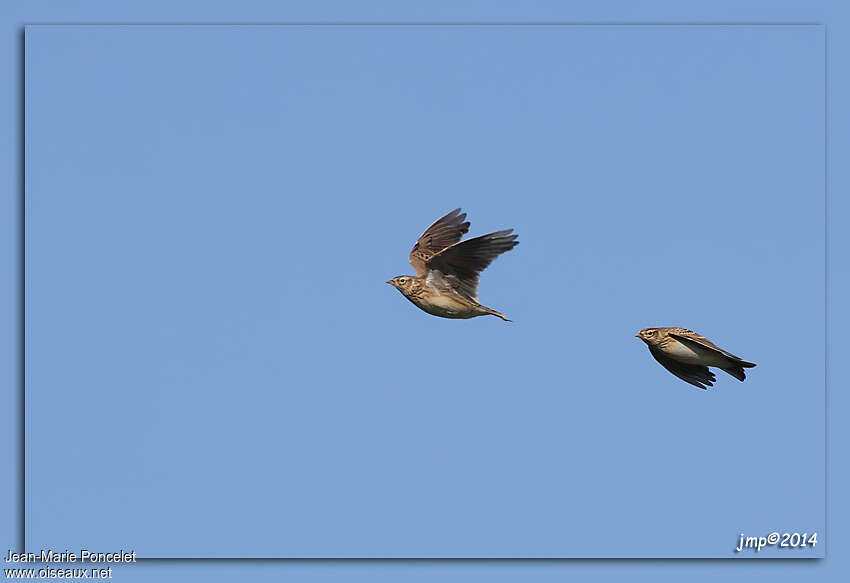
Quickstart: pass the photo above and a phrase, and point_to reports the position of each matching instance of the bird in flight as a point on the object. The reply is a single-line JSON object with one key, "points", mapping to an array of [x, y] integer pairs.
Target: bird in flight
{"points": [[688, 355], [447, 269]]}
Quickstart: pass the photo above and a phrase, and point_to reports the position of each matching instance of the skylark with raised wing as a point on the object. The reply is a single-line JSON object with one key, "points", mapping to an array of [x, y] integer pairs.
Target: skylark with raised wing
{"points": [[447, 269], [688, 355]]}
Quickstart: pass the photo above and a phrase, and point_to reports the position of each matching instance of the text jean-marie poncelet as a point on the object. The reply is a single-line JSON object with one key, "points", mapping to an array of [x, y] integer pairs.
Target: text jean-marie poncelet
{"points": [[66, 556]]}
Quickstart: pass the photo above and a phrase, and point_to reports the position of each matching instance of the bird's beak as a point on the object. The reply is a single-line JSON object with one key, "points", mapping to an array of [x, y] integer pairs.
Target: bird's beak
{"points": [[390, 282], [637, 335]]}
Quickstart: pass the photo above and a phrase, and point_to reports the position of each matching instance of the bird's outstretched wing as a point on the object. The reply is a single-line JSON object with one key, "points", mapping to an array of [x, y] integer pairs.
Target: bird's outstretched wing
{"points": [[461, 263], [688, 337], [695, 374], [446, 231]]}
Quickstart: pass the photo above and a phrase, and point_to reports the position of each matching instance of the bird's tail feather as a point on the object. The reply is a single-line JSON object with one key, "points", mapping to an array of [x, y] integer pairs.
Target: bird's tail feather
{"points": [[495, 313], [736, 370]]}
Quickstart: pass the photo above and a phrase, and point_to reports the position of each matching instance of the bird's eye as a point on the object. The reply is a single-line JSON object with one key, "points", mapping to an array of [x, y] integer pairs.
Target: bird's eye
{"points": [[402, 280]]}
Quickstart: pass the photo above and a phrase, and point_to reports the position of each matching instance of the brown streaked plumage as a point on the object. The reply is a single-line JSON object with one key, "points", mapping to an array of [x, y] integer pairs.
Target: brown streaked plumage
{"points": [[447, 269], [688, 355]]}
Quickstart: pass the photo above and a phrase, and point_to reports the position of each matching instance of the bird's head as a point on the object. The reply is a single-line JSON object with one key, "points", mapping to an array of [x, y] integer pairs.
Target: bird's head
{"points": [[649, 335], [403, 283]]}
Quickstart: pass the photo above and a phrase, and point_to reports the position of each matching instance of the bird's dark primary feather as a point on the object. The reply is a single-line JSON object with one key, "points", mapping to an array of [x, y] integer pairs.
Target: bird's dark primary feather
{"points": [[695, 374], [462, 262]]}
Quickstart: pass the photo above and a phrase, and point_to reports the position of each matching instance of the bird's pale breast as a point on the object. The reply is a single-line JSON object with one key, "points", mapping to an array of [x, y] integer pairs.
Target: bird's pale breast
{"points": [[445, 302]]}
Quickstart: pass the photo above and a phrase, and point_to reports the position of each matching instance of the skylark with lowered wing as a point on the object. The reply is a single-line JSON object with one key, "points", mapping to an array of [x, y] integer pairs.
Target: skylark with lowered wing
{"points": [[688, 355]]}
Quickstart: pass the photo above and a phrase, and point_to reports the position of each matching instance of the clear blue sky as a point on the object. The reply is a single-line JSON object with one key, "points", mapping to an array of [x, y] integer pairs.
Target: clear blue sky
{"points": [[15, 13], [212, 212]]}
